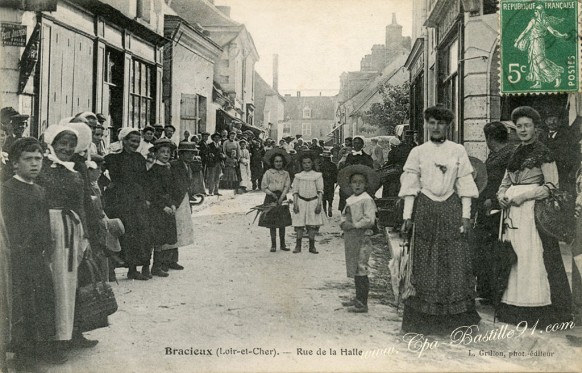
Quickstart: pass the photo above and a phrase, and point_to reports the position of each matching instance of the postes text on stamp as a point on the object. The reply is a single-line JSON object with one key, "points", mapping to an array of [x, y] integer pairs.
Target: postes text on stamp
{"points": [[539, 46]]}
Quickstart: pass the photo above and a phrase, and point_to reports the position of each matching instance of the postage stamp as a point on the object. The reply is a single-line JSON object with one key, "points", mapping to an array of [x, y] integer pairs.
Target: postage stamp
{"points": [[540, 51]]}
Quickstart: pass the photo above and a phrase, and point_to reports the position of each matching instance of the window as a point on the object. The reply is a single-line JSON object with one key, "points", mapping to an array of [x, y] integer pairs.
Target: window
{"points": [[306, 129], [143, 9], [449, 86], [286, 128], [141, 96], [193, 113], [307, 113]]}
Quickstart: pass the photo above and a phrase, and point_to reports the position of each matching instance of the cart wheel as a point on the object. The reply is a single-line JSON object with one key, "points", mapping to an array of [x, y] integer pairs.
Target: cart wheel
{"points": [[197, 199]]}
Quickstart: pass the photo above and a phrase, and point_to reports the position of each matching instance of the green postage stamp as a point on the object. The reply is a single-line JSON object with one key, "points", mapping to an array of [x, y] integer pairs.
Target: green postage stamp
{"points": [[540, 49]]}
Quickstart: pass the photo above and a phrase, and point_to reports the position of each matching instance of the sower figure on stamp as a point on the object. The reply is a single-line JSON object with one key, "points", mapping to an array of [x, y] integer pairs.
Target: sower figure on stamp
{"points": [[438, 183], [532, 40]]}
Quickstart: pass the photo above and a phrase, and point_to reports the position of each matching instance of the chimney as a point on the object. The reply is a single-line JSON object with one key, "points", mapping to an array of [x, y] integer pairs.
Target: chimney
{"points": [[393, 32], [298, 93], [276, 73], [224, 9]]}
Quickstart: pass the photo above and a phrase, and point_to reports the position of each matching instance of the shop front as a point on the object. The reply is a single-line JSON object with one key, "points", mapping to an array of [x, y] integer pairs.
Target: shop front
{"points": [[89, 56]]}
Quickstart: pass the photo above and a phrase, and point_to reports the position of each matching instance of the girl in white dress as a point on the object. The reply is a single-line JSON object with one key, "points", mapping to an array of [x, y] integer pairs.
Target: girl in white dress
{"points": [[307, 192]]}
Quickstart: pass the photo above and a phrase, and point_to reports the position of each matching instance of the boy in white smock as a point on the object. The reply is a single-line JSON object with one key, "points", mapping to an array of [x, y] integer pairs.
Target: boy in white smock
{"points": [[357, 220]]}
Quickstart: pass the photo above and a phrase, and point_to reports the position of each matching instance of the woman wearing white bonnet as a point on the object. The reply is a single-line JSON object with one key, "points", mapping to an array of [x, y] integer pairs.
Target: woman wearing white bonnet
{"points": [[64, 189], [125, 199]]}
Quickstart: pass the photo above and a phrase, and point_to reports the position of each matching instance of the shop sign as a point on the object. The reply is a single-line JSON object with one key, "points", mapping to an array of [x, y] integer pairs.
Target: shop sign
{"points": [[13, 35]]}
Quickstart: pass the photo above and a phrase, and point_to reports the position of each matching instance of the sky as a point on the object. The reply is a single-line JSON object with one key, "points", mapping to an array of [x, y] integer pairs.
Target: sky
{"points": [[316, 40]]}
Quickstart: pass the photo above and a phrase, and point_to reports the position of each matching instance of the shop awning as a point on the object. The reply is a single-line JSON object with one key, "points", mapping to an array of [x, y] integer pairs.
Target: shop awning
{"points": [[333, 130], [244, 126], [256, 130]]}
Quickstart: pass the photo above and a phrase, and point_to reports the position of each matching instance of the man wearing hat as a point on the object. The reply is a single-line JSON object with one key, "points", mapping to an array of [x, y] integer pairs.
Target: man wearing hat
{"points": [[257, 154], [214, 164], [329, 172], [158, 131], [169, 131], [356, 156], [14, 123], [101, 119], [203, 150], [182, 176]]}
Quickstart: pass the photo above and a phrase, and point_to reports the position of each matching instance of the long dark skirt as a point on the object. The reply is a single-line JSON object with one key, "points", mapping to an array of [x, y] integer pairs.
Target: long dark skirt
{"points": [[278, 217], [442, 272], [561, 308], [129, 205], [33, 301]]}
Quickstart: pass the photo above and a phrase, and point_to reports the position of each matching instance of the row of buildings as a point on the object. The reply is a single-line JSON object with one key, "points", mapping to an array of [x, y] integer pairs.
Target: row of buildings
{"points": [[453, 58], [455, 61], [333, 118], [139, 62]]}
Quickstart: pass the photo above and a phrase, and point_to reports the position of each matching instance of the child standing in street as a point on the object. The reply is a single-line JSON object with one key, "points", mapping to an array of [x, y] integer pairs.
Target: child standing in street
{"points": [[276, 183], [161, 194], [357, 220], [307, 196]]}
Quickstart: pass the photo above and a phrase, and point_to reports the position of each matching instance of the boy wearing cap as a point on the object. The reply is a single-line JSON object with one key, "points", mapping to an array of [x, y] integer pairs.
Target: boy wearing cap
{"points": [[357, 220], [14, 123]]}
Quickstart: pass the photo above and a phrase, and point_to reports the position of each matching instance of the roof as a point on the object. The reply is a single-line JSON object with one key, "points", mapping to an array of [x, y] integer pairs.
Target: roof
{"points": [[221, 27], [261, 84], [390, 72], [322, 107], [202, 12]]}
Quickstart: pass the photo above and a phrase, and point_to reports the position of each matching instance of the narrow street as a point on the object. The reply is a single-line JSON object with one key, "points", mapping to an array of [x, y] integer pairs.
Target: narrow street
{"points": [[234, 295]]}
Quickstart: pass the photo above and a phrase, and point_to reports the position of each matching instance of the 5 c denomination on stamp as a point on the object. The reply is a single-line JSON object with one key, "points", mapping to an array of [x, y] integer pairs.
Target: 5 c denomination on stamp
{"points": [[539, 46]]}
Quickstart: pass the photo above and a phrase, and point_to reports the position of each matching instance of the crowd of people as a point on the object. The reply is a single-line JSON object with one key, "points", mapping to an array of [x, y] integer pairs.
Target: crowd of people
{"points": [[67, 198]]}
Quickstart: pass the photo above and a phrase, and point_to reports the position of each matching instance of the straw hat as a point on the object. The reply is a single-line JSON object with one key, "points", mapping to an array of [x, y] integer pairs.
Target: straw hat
{"points": [[345, 175], [186, 146], [270, 153], [163, 142]]}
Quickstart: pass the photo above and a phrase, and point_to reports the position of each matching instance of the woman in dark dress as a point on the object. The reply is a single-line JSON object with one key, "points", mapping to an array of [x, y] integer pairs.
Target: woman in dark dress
{"points": [[276, 183], [125, 199], [66, 201]]}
